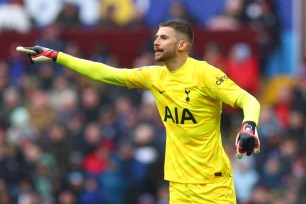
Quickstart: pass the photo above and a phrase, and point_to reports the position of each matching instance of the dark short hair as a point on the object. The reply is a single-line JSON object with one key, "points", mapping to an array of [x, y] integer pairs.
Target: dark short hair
{"points": [[180, 26]]}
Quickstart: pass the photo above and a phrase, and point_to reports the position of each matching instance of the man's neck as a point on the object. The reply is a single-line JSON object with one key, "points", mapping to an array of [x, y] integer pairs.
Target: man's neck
{"points": [[176, 63]]}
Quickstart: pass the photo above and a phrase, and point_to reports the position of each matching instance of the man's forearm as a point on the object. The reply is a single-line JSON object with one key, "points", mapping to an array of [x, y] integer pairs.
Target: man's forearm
{"points": [[250, 106]]}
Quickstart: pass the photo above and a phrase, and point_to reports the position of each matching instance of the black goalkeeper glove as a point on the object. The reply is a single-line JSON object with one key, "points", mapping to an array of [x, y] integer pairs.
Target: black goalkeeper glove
{"points": [[247, 140], [38, 53]]}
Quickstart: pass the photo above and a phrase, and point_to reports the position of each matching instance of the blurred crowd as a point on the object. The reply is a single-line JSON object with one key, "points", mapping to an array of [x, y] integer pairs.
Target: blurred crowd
{"points": [[278, 174], [263, 16], [67, 140], [230, 14]]}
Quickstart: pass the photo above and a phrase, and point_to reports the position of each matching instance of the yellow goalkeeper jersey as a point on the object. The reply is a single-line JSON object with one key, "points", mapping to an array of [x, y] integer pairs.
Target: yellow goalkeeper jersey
{"points": [[189, 101]]}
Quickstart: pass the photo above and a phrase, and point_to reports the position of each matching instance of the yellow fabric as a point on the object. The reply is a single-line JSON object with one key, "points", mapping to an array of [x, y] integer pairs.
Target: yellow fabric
{"points": [[222, 191], [250, 107], [93, 70], [189, 101]]}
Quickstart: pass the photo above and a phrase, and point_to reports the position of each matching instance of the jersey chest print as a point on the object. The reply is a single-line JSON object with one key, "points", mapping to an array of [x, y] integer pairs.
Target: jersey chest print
{"points": [[181, 114]]}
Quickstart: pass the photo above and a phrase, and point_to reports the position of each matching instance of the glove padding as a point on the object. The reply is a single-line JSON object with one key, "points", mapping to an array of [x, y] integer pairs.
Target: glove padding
{"points": [[247, 140], [38, 53]]}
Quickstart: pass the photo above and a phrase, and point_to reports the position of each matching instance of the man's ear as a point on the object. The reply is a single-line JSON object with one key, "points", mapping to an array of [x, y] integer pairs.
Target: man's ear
{"points": [[182, 45]]}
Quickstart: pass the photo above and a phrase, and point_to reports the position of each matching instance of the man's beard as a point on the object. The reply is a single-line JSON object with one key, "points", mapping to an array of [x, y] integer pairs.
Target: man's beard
{"points": [[166, 56]]}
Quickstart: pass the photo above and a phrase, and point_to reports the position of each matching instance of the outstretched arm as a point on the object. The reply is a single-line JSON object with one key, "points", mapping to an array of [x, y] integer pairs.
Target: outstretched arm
{"points": [[93, 70]]}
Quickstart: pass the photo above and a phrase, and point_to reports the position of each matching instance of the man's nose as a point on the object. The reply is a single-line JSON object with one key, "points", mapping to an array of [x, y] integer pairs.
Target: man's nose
{"points": [[156, 41]]}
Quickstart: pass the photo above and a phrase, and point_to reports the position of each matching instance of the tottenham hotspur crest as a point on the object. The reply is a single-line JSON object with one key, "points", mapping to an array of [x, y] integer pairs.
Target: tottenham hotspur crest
{"points": [[187, 91]]}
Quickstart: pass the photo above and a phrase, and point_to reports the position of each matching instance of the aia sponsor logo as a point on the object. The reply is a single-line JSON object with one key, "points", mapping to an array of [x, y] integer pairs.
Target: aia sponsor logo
{"points": [[179, 116]]}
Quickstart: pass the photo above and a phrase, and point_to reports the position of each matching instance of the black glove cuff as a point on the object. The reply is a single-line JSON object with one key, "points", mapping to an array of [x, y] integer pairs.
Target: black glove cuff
{"points": [[252, 124]]}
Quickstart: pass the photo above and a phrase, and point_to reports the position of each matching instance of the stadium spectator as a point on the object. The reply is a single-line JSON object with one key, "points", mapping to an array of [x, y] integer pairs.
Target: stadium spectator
{"points": [[67, 197], [40, 111], [11, 100], [242, 67], [262, 17], [4, 76], [89, 12], [283, 104], [272, 172], [108, 123], [261, 194], [229, 19], [119, 13], [132, 172], [69, 16], [56, 141], [214, 55], [299, 91], [43, 13], [177, 10], [91, 194], [141, 8], [270, 126], [14, 17], [110, 182], [90, 138], [162, 196], [149, 152], [90, 103], [245, 177]]}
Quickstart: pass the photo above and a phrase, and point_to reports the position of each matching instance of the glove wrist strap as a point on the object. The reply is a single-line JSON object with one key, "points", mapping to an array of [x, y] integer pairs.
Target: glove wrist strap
{"points": [[251, 124]]}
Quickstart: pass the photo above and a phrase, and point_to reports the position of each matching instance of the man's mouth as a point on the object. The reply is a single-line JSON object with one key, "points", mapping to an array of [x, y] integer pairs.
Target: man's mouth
{"points": [[158, 51]]}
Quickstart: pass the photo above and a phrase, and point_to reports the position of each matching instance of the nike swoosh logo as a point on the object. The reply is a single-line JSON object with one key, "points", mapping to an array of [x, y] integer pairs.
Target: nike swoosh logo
{"points": [[161, 92]]}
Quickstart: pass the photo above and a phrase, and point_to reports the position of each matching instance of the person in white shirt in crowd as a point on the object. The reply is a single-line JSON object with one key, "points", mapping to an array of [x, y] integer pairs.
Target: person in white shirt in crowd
{"points": [[43, 12], [14, 17]]}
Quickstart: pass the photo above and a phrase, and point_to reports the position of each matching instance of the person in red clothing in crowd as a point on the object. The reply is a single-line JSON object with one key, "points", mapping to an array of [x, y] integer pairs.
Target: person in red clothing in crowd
{"points": [[97, 162], [284, 104], [242, 67]]}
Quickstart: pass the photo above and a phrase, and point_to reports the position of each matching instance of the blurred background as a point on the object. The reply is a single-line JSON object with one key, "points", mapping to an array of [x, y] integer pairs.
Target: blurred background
{"points": [[67, 140]]}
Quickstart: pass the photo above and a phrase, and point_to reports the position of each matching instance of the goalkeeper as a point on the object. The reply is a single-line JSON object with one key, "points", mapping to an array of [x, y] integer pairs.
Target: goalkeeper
{"points": [[189, 96]]}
